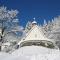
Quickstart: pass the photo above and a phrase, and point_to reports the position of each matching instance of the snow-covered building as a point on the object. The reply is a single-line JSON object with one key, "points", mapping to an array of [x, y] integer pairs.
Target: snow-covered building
{"points": [[5, 45], [36, 37]]}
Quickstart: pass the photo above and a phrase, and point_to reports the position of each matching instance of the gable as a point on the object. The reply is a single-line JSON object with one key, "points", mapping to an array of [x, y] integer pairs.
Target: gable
{"points": [[35, 34]]}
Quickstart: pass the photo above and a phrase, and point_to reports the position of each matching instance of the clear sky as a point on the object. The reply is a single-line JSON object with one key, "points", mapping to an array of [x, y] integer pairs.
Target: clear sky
{"points": [[40, 9]]}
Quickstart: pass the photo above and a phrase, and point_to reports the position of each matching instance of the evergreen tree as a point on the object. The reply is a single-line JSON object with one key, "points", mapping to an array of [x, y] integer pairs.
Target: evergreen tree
{"points": [[52, 30], [28, 26]]}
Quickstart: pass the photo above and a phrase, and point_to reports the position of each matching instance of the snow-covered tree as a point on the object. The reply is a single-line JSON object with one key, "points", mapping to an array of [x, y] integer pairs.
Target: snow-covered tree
{"points": [[52, 30], [45, 27], [7, 18], [56, 30], [28, 26]]}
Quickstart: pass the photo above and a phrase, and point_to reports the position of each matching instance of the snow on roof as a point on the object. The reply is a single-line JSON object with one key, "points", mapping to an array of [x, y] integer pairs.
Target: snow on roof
{"points": [[34, 22], [35, 34]]}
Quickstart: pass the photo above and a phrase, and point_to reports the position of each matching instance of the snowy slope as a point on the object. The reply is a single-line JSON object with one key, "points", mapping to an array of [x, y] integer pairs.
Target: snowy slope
{"points": [[32, 53], [3, 55], [38, 53], [34, 50], [6, 56]]}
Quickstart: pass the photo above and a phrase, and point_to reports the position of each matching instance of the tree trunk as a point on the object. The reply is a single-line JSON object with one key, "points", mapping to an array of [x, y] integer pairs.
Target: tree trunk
{"points": [[0, 48], [1, 42]]}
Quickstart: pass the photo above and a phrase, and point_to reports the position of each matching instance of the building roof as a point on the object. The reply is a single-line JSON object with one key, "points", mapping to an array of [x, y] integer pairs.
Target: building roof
{"points": [[35, 34]]}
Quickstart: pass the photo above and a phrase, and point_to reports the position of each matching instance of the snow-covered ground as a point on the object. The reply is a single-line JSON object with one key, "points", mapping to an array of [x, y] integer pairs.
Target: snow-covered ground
{"points": [[6, 56], [32, 53]]}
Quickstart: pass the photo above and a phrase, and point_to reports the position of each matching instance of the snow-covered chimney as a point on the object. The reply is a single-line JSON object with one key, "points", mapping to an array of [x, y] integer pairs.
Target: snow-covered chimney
{"points": [[34, 22]]}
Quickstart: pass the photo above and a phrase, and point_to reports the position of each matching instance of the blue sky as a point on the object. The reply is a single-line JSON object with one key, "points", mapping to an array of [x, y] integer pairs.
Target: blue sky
{"points": [[28, 9]]}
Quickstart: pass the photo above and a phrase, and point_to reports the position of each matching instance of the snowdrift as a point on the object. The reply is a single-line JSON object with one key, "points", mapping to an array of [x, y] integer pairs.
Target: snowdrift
{"points": [[34, 50], [38, 53], [32, 53], [6, 56]]}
